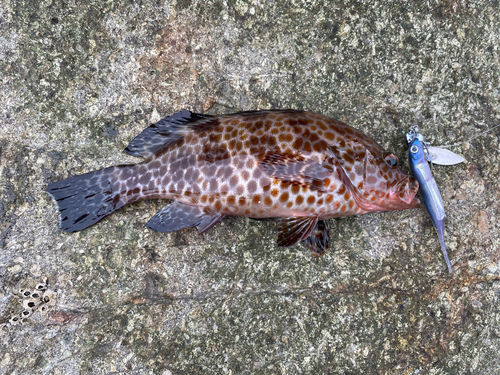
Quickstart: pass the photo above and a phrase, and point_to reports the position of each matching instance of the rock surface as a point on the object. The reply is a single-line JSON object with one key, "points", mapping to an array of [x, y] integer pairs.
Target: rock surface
{"points": [[80, 79]]}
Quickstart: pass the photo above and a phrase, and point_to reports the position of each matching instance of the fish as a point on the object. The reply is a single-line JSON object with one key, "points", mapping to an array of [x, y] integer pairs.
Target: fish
{"points": [[429, 191], [296, 168]]}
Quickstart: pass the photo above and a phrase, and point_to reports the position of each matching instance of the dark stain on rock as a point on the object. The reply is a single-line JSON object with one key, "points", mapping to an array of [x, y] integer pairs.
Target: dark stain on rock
{"points": [[153, 283]]}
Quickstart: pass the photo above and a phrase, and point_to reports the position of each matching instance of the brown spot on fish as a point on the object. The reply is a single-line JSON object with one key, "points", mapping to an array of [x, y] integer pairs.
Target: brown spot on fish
{"points": [[285, 137], [215, 137], [284, 197], [349, 159], [213, 153], [298, 143], [271, 141], [233, 182], [252, 186], [256, 199], [320, 146], [207, 125]]}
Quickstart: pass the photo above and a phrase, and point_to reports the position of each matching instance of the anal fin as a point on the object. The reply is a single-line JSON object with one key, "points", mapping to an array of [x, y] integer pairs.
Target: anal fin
{"points": [[208, 221], [294, 229], [179, 216], [318, 240]]}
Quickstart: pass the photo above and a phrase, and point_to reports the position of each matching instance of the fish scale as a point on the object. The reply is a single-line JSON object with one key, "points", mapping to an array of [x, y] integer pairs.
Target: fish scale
{"points": [[299, 167]]}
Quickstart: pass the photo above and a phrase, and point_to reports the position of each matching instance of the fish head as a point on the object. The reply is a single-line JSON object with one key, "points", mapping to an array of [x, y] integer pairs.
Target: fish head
{"points": [[384, 186], [374, 177]]}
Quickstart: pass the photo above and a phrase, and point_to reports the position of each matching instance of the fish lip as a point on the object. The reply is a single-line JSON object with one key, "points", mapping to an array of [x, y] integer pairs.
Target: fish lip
{"points": [[408, 185], [415, 203]]}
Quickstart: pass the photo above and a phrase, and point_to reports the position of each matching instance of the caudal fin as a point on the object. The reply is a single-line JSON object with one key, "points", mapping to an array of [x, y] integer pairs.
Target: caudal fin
{"points": [[85, 199]]}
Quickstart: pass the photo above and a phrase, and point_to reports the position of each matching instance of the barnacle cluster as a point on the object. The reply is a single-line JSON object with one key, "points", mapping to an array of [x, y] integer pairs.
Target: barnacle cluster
{"points": [[39, 298]]}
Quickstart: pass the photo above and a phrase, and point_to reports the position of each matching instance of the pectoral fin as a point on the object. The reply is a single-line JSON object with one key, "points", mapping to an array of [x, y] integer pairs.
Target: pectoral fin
{"points": [[319, 238], [296, 169], [179, 216], [294, 229]]}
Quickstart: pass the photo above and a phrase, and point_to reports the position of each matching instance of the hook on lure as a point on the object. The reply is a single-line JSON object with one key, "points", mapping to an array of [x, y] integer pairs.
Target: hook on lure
{"points": [[420, 159]]}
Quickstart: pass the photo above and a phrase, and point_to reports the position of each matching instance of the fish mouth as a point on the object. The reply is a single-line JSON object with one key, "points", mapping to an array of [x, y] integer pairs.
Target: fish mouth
{"points": [[402, 196], [415, 203], [406, 190]]}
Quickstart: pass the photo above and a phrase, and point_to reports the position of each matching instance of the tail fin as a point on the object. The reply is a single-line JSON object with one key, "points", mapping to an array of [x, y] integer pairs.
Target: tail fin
{"points": [[85, 199]]}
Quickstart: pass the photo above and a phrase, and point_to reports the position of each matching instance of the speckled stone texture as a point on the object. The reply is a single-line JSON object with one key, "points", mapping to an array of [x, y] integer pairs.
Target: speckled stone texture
{"points": [[79, 79]]}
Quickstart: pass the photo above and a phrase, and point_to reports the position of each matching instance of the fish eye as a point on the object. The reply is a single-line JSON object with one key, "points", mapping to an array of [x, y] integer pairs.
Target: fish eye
{"points": [[391, 160], [414, 149]]}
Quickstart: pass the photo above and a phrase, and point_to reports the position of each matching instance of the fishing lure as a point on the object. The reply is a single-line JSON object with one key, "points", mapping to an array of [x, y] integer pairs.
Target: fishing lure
{"points": [[420, 158]]}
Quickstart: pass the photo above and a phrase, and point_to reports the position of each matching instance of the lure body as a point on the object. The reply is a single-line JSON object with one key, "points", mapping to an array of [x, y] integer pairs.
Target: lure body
{"points": [[295, 167], [429, 191]]}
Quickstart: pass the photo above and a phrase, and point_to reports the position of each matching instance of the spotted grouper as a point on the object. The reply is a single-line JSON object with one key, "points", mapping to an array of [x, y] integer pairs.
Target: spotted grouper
{"points": [[297, 168]]}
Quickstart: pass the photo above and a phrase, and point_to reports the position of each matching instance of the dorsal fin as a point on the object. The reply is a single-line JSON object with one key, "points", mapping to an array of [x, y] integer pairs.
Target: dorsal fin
{"points": [[163, 133]]}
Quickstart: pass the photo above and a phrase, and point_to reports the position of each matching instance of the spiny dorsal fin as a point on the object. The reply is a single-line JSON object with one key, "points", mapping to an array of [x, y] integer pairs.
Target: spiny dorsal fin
{"points": [[294, 229], [163, 133]]}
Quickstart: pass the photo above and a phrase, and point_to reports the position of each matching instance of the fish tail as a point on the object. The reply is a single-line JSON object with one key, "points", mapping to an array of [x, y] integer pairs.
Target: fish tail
{"points": [[85, 199]]}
